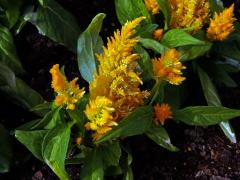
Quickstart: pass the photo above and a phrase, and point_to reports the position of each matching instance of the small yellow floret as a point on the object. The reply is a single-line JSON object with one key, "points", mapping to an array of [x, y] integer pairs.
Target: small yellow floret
{"points": [[100, 114], [222, 25], [162, 112], [152, 6], [68, 93], [157, 34], [169, 67], [189, 13]]}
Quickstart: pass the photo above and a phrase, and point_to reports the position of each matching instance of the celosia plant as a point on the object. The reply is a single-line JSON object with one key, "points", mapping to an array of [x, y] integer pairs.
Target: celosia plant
{"points": [[193, 30], [129, 90]]}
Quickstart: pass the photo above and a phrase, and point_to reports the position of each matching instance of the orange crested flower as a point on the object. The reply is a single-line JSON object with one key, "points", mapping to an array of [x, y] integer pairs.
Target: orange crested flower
{"points": [[162, 112], [222, 24], [68, 93], [157, 34], [152, 6], [189, 13], [169, 67]]}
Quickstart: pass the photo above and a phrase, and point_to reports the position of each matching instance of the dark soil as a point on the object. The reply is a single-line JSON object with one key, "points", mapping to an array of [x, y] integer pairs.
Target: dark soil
{"points": [[205, 153]]}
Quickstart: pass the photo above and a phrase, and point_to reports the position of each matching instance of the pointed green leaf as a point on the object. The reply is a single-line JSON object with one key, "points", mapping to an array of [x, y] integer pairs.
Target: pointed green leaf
{"points": [[110, 154], [17, 90], [205, 115], [166, 9], [93, 167], [177, 37], [145, 63], [212, 99], [128, 10], [209, 89], [8, 53], [153, 45], [41, 109], [160, 136], [192, 52], [90, 44], [32, 140], [55, 22], [54, 149]]}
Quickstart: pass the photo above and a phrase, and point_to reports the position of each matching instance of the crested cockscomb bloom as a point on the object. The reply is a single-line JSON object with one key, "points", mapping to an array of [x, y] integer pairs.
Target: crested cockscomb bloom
{"points": [[169, 67], [152, 6], [221, 26], [100, 115], [116, 78], [68, 93], [162, 112], [189, 13]]}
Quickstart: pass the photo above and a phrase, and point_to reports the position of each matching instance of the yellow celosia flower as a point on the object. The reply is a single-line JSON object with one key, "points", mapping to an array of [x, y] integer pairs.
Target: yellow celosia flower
{"points": [[162, 112], [68, 93], [222, 24], [99, 112], [169, 67], [116, 79], [157, 34], [152, 6], [189, 13]]}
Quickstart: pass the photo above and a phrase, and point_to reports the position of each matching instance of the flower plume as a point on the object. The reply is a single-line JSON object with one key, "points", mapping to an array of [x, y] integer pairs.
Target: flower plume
{"points": [[116, 80], [222, 24]]}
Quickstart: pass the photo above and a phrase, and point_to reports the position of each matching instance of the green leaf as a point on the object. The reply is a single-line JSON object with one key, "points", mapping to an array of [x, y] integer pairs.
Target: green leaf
{"points": [[41, 109], [130, 9], [32, 140], [17, 90], [11, 10], [216, 5], [153, 45], [90, 44], [157, 92], [209, 90], [212, 99], [6, 153], [125, 164], [55, 22], [146, 30], [27, 9], [177, 37], [8, 53], [54, 149], [93, 167], [193, 52], [219, 71], [229, 50], [144, 62], [138, 122], [166, 9], [205, 115], [160, 136], [50, 120], [25, 127], [228, 131], [128, 174], [110, 154]]}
